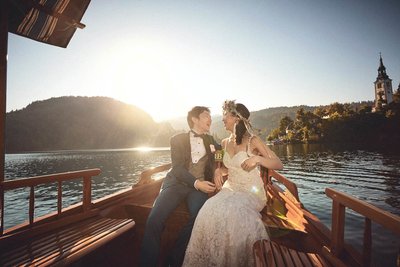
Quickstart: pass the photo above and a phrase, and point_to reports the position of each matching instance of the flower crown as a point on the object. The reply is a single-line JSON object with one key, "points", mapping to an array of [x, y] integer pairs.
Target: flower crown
{"points": [[230, 106]]}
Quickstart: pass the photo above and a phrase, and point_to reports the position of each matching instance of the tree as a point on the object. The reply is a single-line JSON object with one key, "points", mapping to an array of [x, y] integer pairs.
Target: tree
{"points": [[284, 125], [396, 95]]}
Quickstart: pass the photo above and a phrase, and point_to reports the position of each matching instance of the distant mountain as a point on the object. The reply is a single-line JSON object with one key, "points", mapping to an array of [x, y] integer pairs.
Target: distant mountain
{"points": [[82, 123]]}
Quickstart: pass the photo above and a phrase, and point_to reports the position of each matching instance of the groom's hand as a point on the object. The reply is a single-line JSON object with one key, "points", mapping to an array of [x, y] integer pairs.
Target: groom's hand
{"points": [[205, 186], [218, 178]]}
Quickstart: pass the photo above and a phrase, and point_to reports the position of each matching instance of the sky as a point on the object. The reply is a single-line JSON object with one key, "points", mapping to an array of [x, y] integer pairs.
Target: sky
{"points": [[168, 56]]}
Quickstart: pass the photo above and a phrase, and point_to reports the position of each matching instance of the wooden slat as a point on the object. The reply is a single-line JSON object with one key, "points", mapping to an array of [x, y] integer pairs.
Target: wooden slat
{"points": [[36, 230], [271, 254], [286, 256], [367, 246], [50, 252], [297, 259], [259, 254], [277, 254], [31, 205], [338, 216], [87, 193], [41, 243], [98, 242], [88, 224], [82, 243], [59, 197], [305, 259], [67, 244], [69, 239]]}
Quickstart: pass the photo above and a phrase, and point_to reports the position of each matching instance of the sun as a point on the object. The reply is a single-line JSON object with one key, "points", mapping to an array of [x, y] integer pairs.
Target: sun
{"points": [[146, 76]]}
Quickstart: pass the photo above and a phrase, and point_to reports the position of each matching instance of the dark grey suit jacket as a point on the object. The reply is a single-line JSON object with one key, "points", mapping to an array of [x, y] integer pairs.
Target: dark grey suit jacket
{"points": [[181, 158]]}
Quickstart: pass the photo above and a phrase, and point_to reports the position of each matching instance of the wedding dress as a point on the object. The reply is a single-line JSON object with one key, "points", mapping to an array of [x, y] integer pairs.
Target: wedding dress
{"points": [[230, 222]]}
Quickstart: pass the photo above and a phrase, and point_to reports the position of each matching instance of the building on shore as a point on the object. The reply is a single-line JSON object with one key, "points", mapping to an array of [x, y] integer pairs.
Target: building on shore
{"points": [[383, 88]]}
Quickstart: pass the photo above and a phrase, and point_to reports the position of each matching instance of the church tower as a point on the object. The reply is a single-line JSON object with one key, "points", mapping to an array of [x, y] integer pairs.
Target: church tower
{"points": [[383, 87]]}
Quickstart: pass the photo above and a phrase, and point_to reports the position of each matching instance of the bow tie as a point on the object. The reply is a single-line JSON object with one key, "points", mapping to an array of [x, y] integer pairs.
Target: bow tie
{"points": [[197, 135]]}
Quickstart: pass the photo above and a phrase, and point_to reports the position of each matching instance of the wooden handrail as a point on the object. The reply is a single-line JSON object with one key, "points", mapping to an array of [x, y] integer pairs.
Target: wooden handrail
{"points": [[31, 182], [341, 201], [292, 187], [145, 176], [46, 179]]}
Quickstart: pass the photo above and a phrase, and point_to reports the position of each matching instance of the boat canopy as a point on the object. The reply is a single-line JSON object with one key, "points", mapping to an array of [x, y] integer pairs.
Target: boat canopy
{"points": [[49, 21]]}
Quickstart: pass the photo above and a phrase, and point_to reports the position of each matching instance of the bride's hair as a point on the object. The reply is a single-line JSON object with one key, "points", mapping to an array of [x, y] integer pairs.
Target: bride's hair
{"points": [[240, 128]]}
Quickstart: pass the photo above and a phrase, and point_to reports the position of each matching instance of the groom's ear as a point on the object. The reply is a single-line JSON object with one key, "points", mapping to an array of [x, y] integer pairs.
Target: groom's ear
{"points": [[194, 120]]}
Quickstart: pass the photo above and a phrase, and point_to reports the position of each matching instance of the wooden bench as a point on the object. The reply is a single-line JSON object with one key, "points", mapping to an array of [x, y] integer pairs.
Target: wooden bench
{"points": [[269, 253], [65, 245]]}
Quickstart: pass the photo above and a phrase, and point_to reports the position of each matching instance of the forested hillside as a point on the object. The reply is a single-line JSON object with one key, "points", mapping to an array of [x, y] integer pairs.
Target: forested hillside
{"points": [[82, 123]]}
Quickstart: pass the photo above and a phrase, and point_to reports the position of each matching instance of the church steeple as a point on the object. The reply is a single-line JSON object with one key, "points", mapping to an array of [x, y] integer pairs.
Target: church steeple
{"points": [[381, 70], [383, 87]]}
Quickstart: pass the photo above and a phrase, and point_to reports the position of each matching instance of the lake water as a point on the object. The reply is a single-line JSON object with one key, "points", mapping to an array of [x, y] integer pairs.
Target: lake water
{"points": [[370, 175]]}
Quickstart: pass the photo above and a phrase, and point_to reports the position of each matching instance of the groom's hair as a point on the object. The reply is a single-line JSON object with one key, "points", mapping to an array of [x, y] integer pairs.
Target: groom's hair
{"points": [[195, 112]]}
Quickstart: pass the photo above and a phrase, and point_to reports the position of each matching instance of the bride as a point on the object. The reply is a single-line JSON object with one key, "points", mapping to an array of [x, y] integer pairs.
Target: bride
{"points": [[230, 222]]}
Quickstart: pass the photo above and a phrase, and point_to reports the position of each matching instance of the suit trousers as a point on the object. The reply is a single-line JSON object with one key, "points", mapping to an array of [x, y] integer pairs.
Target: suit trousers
{"points": [[166, 202]]}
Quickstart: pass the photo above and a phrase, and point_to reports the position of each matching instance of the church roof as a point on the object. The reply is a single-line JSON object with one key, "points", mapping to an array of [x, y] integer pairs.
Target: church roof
{"points": [[382, 70]]}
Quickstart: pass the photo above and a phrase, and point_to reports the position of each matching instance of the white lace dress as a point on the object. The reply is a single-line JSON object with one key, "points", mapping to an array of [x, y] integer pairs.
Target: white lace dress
{"points": [[230, 222]]}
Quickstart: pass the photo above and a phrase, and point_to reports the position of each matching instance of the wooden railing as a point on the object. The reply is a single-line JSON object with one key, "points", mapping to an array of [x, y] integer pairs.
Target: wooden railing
{"points": [[268, 174], [145, 176], [58, 178], [370, 212]]}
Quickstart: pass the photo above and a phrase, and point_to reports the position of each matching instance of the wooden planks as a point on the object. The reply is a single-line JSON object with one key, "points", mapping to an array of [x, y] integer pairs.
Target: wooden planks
{"points": [[65, 245], [269, 253]]}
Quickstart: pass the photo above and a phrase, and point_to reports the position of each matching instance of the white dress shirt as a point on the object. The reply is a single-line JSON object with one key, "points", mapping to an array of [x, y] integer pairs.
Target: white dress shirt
{"points": [[197, 148]]}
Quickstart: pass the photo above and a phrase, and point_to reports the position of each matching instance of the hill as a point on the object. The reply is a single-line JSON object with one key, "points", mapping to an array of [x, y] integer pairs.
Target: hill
{"points": [[82, 123], [264, 120]]}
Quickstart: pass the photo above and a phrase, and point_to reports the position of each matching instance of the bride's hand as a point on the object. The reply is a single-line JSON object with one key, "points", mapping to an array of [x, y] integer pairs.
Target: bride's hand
{"points": [[250, 163]]}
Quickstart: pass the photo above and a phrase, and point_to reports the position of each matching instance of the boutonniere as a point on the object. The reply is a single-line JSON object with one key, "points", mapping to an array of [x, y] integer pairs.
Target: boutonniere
{"points": [[212, 148]]}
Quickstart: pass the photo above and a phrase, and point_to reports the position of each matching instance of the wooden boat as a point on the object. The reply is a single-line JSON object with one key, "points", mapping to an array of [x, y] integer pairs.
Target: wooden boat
{"points": [[108, 231]]}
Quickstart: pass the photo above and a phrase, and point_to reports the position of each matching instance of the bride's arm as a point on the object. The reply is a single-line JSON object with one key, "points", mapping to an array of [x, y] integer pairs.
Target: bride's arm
{"points": [[266, 157]]}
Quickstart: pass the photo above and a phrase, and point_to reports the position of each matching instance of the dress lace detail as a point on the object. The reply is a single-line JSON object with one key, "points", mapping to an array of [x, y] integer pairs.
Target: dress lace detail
{"points": [[230, 222]]}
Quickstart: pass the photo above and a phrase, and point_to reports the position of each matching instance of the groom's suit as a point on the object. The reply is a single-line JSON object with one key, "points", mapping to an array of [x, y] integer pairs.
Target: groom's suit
{"points": [[177, 187]]}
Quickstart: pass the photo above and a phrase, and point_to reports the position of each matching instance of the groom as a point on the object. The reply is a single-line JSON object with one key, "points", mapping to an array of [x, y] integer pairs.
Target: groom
{"points": [[190, 179]]}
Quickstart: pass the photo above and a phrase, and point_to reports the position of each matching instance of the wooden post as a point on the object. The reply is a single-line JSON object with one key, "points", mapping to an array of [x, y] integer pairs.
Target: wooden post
{"points": [[367, 246], [3, 95], [32, 205], [87, 193], [59, 197], [338, 216]]}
